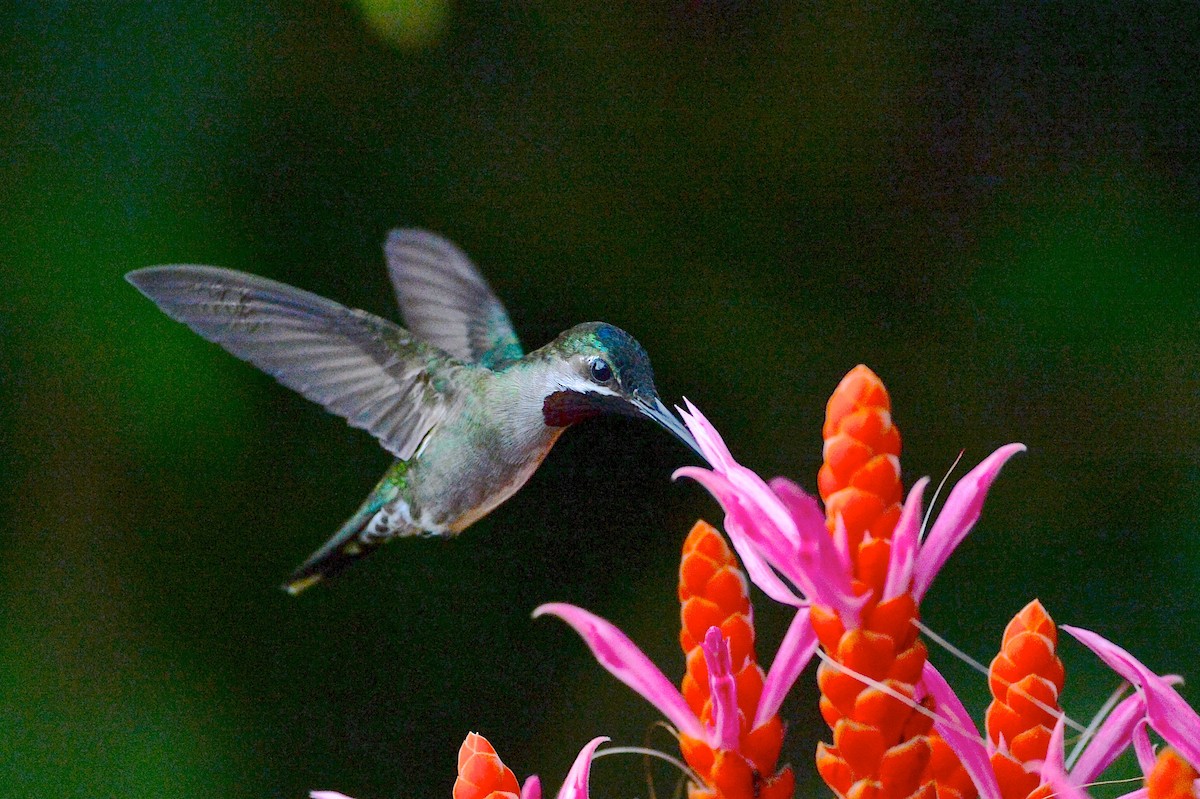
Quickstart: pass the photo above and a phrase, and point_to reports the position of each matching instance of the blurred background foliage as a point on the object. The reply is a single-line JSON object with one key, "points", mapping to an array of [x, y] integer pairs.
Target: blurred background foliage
{"points": [[994, 209]]}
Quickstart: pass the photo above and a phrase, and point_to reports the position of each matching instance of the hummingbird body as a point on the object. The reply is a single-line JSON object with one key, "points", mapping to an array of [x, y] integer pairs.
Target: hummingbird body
{"points": [[467, 414]]}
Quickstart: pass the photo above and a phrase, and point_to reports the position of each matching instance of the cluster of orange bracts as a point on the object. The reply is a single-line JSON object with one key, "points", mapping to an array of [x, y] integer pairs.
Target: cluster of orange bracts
{"points": [[713, 592], [1026, 679], [882, 747], [481, 773]]}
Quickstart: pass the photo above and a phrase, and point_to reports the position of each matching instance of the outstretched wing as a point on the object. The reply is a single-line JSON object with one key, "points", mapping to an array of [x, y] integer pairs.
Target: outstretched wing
{"points": [[363, 368], [445, 301]]}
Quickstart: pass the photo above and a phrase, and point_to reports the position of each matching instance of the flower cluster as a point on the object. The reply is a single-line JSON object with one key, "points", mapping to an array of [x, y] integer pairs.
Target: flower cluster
{"points": [[854, 566], [726, 715]]}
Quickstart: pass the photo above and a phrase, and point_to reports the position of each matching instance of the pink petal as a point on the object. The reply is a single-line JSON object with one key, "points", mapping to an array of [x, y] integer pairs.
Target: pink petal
{"points": [[750, 531], [954, 724], [532, 789], [803, 507], [722, 689], [808, 518], [1168, 714], [1053, 773], [826, 564], [761, 573], [794, 653], [736, 520], [905, 541], [746, 483], [327, 795], [707, 437], [1065, 788], [958, 516], [754, 511], [575, 786], [1054, 765], [1111, 739], [1143, 748], [615, 652], [756, 494]]}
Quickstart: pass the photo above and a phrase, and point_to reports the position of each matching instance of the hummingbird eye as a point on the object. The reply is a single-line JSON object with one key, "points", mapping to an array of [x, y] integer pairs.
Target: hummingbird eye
{"points": [[601, 371]]}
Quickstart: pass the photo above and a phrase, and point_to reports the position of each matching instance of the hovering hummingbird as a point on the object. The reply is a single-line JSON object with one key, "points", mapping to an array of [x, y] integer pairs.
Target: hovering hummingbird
{"points": [[467, 414]]}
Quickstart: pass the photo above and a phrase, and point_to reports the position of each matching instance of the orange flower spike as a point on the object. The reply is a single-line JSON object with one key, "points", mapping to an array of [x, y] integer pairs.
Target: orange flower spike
{"points": [[1172, 777], [1026, 679], [481, 773], [881, 746], [713, 592], [863, 566], [860, 478]]}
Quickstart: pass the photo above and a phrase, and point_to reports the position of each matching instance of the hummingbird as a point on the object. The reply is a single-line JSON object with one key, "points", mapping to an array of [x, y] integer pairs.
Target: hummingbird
{"points": [[467, 413]]}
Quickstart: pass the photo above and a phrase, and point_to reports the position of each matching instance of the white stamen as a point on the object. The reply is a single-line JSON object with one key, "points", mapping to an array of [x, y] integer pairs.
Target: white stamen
{"points": [[1123, 781], [908, 700], [936, 494], [642, 750], [951, 648], [979, 667], [1094, 724]]}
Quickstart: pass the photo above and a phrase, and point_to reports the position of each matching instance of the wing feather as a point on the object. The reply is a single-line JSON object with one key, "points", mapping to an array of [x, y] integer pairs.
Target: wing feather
{"points": [[364, 368], [445, 301]]}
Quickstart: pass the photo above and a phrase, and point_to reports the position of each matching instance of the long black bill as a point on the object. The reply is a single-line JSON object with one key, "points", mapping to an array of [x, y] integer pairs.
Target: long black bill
{"points": [[655, 410]]}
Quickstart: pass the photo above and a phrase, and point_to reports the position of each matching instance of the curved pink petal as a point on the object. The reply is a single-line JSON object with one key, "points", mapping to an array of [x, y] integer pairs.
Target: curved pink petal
{"points": [[1143, 748], [1053, 772], [615, 652], [575, 786], [722, 689], [954, 724], [1168, 714], [826, 562], [531, 788], [905, 541], [808, 517], [794, 653], [752, 509], [327, 795], [958, 516], [712, 446], [1111, 739], [761, 573], [746, 482], [1055, 764], [747, 530], [803, 507]]}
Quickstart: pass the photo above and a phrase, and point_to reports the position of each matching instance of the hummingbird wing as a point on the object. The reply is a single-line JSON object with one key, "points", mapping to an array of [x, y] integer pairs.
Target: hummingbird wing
{"points": [[445, 301], [366, 369]]}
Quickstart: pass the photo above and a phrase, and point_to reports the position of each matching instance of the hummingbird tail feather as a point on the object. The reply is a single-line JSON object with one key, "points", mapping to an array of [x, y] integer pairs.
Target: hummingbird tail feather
{"points": [[328, 562], [346, 546]]}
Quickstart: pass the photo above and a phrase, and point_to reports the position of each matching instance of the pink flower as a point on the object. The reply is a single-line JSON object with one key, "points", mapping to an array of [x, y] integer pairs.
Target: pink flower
{"points": [[778, 529], [624, 660], [1165, 710], [1156, 705]]}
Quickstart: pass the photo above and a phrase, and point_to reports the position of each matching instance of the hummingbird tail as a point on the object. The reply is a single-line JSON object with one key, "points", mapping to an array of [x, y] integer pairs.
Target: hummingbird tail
{"points": [[328, 562], [347, 545]]}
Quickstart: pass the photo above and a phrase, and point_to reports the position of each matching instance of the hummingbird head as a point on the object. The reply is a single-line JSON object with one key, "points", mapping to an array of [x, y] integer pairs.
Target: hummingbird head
{"points": [[599, 369]]}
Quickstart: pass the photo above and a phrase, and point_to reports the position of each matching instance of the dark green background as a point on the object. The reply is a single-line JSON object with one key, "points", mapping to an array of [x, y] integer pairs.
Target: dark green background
{"points": [[996, 210]]}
